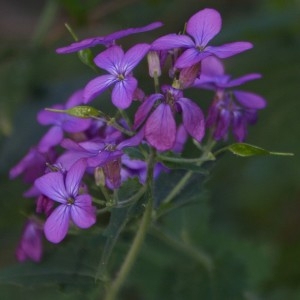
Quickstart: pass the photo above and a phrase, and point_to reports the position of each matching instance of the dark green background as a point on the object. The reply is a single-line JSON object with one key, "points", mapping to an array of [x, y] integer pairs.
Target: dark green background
{"points": [[251, 222]]}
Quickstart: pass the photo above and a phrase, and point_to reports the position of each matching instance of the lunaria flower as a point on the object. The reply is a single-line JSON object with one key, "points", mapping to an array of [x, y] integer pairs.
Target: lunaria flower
{"points": [[31, 244], [200, 29], [119, 65], [231, 108], [61, 122], [64, 189], [160, 127], [99, 154], [108, 40]]}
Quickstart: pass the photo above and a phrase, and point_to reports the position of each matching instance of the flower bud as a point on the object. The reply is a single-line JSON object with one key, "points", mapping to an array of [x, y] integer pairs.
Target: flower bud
{"points": [[154, 64]]}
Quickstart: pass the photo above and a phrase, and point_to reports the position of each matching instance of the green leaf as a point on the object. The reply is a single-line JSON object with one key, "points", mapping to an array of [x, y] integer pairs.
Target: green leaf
{"points": [[246, 150]]}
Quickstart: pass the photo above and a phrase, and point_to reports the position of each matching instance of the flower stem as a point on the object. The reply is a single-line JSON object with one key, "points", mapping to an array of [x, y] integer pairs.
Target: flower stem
{"points": [[132, 254], [114, 288]]}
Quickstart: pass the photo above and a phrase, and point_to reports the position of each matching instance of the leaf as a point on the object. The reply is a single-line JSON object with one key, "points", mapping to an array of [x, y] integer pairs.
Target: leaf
{"points": [[246, 150]]}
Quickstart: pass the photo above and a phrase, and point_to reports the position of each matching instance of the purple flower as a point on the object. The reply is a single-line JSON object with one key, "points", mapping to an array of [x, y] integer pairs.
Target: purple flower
{"points": [[213, 76], [61, 122], [108, 40], [230, 108], [201, 28], [160, 127], [64, 189], [30, 245], [32, 165], [119, 67]]}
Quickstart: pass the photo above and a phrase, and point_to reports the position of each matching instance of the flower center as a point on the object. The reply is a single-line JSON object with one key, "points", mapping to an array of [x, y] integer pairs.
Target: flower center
{"points": [[200, 48], [70, 201], [121, 77]]}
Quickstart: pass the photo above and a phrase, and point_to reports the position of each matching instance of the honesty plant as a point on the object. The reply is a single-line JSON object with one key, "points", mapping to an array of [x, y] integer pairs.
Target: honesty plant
{"points": [[89, 159]]}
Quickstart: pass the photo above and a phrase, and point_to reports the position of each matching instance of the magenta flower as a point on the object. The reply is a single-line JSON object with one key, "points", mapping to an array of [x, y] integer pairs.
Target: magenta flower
{"points": [[201, 28], [108, 40], [61, 122], [31, 244], [160, 127], [119, 67], [64, 189]]}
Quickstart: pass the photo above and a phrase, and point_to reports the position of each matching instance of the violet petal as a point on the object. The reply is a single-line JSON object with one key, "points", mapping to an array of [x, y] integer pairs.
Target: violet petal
{"points": [[193, 118], [190, 57], [145, 109], [96, 86], [74, 176], [82, 211], [230, 49], [204, 25], [250, 100], [122, 93], [57, 224], [171, 41], [160, 128]]}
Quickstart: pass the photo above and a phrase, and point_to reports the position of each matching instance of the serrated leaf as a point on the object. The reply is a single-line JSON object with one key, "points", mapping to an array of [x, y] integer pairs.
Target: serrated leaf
{"points": [[246, 150]]}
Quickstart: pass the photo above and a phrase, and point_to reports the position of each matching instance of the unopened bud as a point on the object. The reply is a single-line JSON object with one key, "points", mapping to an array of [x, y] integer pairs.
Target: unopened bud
{"points": [[83, 111], [154, 64]]}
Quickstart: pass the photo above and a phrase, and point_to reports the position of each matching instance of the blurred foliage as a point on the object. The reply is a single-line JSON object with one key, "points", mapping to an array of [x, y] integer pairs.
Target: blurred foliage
{"points": [[249, 224]]}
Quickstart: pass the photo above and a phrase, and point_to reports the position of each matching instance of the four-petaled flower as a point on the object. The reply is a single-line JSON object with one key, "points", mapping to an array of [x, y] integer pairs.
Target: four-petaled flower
{"points": [[119, 65], [201, 28], [160, 127], [230, 108], [64, 189]]}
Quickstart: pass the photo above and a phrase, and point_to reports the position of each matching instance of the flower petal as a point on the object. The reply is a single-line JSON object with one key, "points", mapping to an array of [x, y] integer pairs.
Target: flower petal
{"points": [[212, 66], [145, 109], [52, 185], [193, 118], [45, 117], [204, 25], [190, 57], [110, 59], [160, 128], [171, 41], [82, 211], [241, 80], [75, 99], [74, 176], [57, 224], [230, 49], [250, 100], [96, 86], [122, 33], [133, 141], [52, 138], [133, 56], [122, 93], [77, 46], [75, 124]]}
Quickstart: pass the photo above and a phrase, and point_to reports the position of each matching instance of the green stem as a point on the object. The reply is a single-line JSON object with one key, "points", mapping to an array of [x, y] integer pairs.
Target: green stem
{"points": [[179, 186], [114, 288], [132, 254], [180, 160]]}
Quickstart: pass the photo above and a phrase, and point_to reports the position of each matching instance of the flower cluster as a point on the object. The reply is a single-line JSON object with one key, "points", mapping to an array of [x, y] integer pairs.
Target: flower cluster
{"points": [[83, 142]]}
